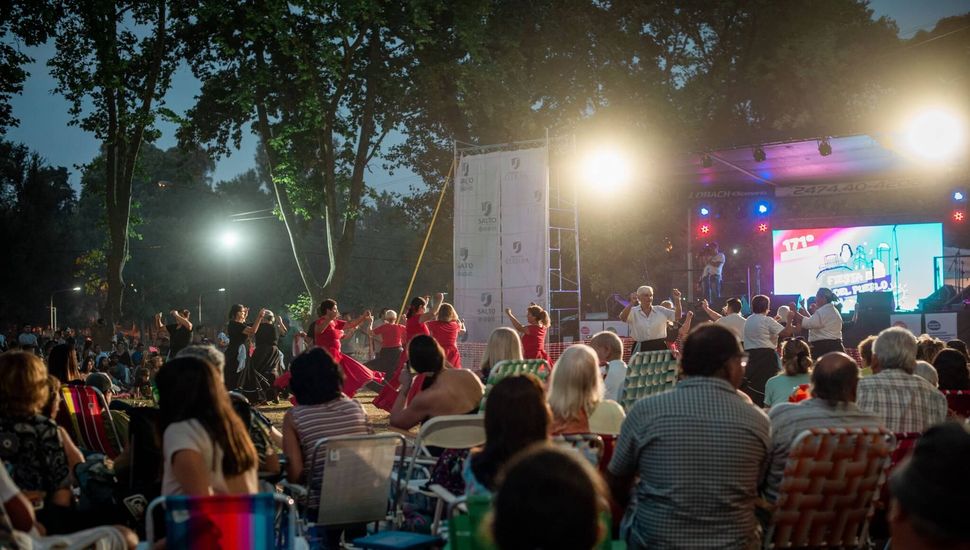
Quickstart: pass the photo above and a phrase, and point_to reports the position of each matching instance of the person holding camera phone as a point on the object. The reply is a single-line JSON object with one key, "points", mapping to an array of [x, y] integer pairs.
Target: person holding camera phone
{"points": [[711, 277], [179, 332]]}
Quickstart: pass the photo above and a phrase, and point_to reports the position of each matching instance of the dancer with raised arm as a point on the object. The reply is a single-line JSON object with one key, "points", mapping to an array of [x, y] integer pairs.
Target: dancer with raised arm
{"points": [[327, 332], [415, 326], [533, 334], [445, 326], [648, 323], [392, 337]]}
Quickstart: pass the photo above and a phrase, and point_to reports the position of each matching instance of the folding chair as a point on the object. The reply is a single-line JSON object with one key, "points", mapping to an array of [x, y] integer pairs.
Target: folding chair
{"points": [[589, 446], [958, 402], [826, 496], [607, 418], [503, 369], [85, 415], [238, 522], [649, 373]]}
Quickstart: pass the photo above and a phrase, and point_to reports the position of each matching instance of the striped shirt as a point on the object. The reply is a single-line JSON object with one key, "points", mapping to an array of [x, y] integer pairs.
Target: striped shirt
{"points": [[904, 402], [700, 451], [341, 416]]}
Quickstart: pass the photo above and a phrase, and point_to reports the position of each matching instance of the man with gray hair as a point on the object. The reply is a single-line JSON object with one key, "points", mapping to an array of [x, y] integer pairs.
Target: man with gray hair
{"points": [[648, 322], [904, 402], [834, 382]]}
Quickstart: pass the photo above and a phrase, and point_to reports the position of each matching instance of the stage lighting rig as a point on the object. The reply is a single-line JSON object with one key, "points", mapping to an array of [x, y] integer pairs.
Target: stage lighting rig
{"points": [[758, 154], [824, 147]]}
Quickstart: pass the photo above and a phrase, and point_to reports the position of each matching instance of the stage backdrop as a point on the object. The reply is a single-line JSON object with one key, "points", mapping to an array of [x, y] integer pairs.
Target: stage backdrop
{"points": [[501, 237]]}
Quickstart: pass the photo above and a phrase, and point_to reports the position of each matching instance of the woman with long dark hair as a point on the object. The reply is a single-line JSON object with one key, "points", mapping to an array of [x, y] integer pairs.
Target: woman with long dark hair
{"points": [[327, 332], [206, 447], [236, 352], [414, 326], [62, 364], [258, 377]]}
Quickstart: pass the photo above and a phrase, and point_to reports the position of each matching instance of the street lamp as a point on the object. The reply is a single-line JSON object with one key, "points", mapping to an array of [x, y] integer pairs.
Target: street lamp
{"points": [[53, 310], [229, 240], [200, 301]]}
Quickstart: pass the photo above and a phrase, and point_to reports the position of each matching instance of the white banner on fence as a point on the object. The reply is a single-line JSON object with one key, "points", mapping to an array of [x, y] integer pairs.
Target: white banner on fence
{"points": [[501, 237], [912, 322], [941, 325]]}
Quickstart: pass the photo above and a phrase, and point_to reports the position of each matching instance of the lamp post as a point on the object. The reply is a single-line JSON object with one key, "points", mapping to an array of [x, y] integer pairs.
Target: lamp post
{"points": [[53, 310], [201, 294]]}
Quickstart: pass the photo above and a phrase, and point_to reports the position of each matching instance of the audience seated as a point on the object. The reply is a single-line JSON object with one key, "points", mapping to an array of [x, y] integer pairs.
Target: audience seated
{"points": [[49, 410], [503, 345], [796, 359], [931, 492], [834, 382], [953, 371], [102, 382], [549, 498], [62, 363], [609, 353], [960, 346], [927, 347], [904, 402], [700, 451], [927, 372], [516, 416], [206, 447], [865, 353], [575, 388]]}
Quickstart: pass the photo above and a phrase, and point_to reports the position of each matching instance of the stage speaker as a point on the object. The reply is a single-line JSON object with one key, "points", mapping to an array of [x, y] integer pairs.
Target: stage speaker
{"points": [[875, 303], [960, 298], [936, 301]]}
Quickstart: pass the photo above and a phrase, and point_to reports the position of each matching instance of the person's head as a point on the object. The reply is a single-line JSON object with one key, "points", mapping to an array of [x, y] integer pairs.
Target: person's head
{"points": [[328, 310], [425, 355], [53, 398], [316, 377], [931, 492], [865, 350], [87, 366], [926, 371], [927, 347], [951, 368], [895, 348], [417, 307], [713, 247], [185, 313], [537, 316], [575, 386], [28, 329], [208, 353], [503, 345], [645, 295], [269, 317], [447, 313], [825, 296], [23, 384], [667, 304], [607, 346], [835, 378], [733, 305], [238, 313], [189, 388], [783, 313], [102, 382], [516, 415], [546, 486], [62, 363], [390, 316], [960, 346], [760, 304], [713, 351], [796, 357]]}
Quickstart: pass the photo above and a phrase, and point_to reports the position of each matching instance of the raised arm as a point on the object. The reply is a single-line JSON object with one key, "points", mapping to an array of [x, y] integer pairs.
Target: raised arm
{"points": [[181, 320], [282, 326], [625, 314], [710, 312], [432, 312], [158, 322], [515, 322], [678, 308], [366, 316]]}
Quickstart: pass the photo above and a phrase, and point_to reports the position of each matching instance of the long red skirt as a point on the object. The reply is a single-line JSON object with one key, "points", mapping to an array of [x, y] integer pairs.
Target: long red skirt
{"points": [[355, 376]]}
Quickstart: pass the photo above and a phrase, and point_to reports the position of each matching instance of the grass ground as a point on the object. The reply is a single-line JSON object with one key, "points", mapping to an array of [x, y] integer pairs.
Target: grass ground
{"points": [[377, 417]]}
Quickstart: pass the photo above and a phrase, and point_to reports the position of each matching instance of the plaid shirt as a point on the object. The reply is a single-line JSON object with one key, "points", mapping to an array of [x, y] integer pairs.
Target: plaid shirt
{"points": [[700, 451], [904, 402]]}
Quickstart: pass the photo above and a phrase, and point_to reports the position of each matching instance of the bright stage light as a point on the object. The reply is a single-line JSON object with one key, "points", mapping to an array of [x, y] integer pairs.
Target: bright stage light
{"points": [[607, 169], [705, 211], [734, 251], [958, 196], [705, 229], [959, 216], [762, 228], [229, 239], [762, 208], [934, 134]]}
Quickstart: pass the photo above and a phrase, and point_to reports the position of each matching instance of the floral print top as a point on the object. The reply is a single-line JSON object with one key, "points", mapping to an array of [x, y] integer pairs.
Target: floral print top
{"points": [[33, 454]]}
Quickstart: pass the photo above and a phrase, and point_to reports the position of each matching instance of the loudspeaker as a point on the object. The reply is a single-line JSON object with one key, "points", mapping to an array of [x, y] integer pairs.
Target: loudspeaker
{"points": [[935, 302], [875, 302]]}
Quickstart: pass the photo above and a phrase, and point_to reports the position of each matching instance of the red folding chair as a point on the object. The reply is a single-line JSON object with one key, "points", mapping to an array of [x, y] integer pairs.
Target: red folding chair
{"points": [[85, 415], [958, 403]]}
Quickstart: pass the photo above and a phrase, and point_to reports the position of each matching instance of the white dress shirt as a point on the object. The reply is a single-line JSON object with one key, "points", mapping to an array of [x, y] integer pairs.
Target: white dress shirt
{"points": [[761, 331], [824, 324], [715, 269], [649, 327], [615, 376], [733, 322]]}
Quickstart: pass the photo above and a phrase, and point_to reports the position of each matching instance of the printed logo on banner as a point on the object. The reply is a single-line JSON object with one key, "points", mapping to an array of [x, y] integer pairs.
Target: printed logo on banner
{"points": [[486, 314], [486, 299], [464, 268], [933, 325], [466, 182], [539, 290], [537, 195], [516, 257], [515, 162], [517, 247], [487, 223]]}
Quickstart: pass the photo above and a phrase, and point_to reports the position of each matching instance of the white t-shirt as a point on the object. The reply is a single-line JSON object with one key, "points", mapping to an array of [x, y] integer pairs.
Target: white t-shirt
{"points": [[761, 331], [649, 327], [615, 375], [824, 324], [191, 435], [711, 269], [733, 322]]}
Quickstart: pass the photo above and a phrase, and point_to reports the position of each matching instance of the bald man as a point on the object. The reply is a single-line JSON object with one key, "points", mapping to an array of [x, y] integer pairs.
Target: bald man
{"points": [[834, 381]]}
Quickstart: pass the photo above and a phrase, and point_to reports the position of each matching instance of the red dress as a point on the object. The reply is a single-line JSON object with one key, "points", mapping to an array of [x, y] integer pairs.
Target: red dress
{"points": [[355, 374], [534, 343], [446, 334], [385, 399]]}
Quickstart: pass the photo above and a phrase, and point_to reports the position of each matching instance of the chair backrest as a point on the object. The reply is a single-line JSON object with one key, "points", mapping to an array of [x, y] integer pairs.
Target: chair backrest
{"points": [[649, 373], [85, 414], [607, 418], [243, 522], [356, 477], [503, 369], [589, 446], [458, 431], [958, 401], [831, 480]]}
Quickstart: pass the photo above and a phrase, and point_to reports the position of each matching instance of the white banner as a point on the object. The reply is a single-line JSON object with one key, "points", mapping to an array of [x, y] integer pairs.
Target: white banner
{"points": [[912, 322], [941, 325], [501, 237]]}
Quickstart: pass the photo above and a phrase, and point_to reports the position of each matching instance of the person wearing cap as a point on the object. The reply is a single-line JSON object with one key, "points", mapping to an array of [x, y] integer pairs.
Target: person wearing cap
{"points": [[824, 326], [931, 492], [102, 382]]}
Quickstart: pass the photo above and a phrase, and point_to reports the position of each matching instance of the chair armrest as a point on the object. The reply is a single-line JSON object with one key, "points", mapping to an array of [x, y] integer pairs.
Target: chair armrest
{"points": [[295, 489], [444, 494]]}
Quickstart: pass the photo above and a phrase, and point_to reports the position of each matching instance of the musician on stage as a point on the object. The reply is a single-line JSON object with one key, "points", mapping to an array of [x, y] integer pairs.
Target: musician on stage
{"points": [[824, 325], [711, 277], [648, 323]]}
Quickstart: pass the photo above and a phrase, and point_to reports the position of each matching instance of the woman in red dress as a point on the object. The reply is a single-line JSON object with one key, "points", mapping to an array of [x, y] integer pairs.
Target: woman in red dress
{"points": [[327, 332], [533, 334], [413, 327], [445, 328]]}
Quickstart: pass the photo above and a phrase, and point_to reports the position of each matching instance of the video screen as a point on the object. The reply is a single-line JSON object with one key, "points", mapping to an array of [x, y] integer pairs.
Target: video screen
{"points": [[853, 260]]}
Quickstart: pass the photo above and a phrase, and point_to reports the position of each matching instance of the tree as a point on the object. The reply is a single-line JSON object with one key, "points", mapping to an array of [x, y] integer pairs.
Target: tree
{"points": [[30, 24], [113, 63]]}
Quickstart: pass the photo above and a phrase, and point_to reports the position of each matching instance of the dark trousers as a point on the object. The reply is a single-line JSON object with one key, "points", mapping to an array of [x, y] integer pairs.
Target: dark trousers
{"points": [[711, 287], [821, 347], [762, 365], [650, 345]]}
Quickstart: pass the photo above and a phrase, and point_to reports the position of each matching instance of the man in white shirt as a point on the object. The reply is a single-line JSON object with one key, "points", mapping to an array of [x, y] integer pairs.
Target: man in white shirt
{"points": [[648, 323], [730, 317], [824, 326], [711, 276], [761, 335]]}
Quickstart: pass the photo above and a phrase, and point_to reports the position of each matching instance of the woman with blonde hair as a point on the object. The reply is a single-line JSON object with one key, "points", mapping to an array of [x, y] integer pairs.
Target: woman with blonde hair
{"points": [[533, 334], [796, 359], [445, 326], [503, 345], [575, 389]]}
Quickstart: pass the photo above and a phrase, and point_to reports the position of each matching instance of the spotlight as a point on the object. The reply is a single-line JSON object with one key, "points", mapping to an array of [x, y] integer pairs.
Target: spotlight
{"points": [[707, 161], [705, 229], [705, 211], [959, 196], [824, 147], [607, 169], [229, 239], [959, 216], [762, 228], [734, 251], [762, 208], [758, 154], [934, 134]]}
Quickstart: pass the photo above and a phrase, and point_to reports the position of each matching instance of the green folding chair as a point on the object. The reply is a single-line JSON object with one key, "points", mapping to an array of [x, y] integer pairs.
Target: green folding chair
{"points": [[649, 373], [503, 369]]}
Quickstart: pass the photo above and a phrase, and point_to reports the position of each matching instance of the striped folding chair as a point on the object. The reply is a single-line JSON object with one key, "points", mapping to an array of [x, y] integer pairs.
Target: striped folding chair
{"points": [[85, 415], [503, 369], [589, 446], [832, 478], [240, 522], [649, 373]]}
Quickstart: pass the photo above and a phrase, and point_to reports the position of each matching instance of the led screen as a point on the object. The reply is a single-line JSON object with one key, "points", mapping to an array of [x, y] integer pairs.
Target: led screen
{"points": [[853, 260]]}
